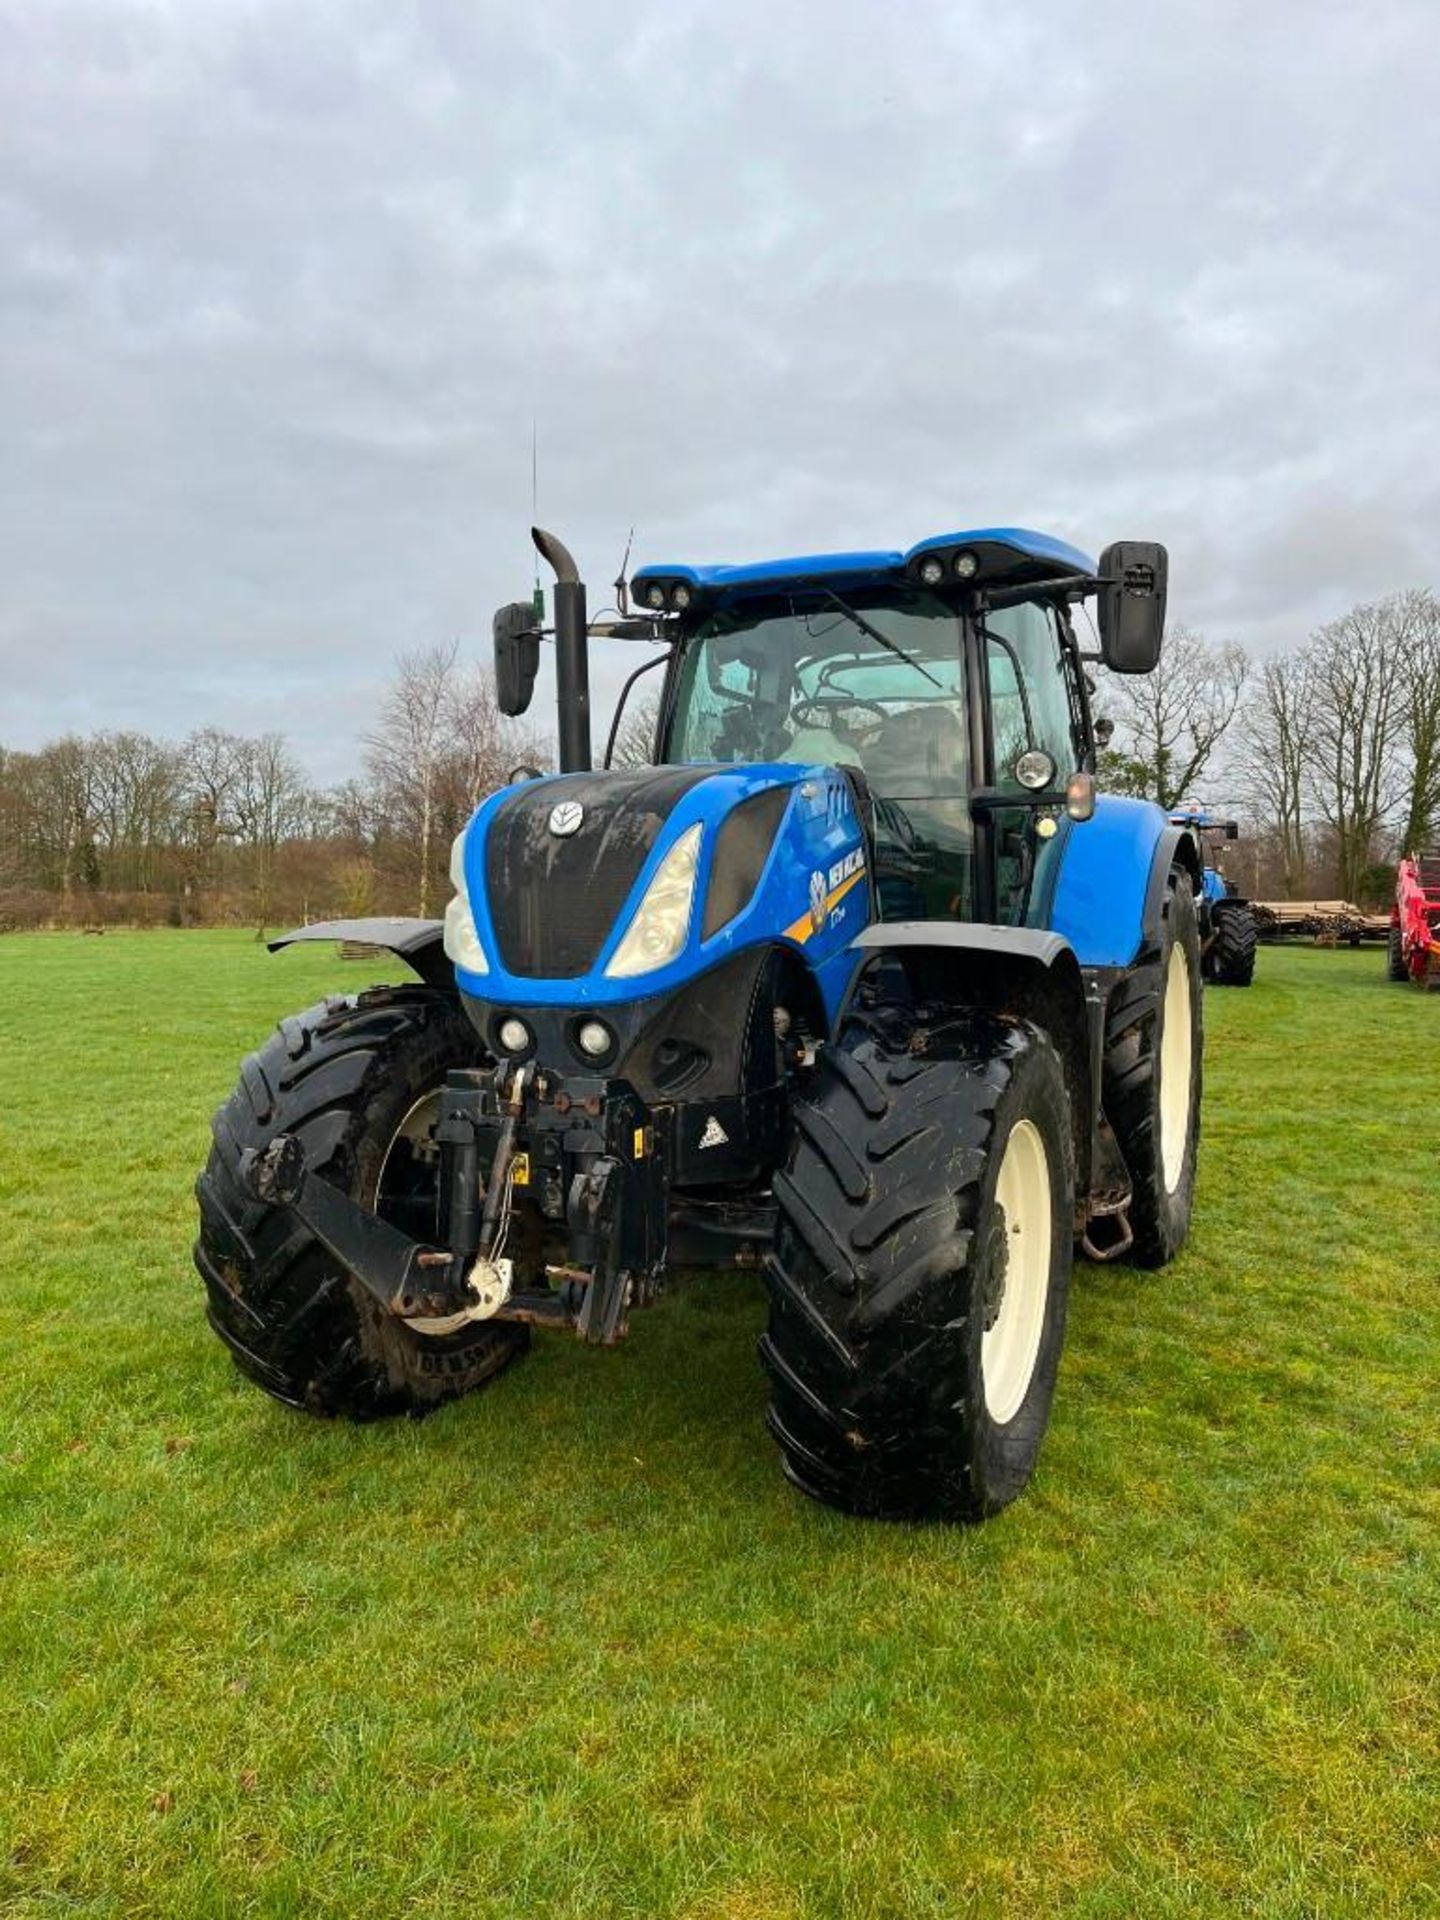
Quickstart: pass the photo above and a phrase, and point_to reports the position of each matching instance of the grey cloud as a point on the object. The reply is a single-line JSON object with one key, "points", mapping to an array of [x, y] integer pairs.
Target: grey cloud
{"points": [[283, 288]]}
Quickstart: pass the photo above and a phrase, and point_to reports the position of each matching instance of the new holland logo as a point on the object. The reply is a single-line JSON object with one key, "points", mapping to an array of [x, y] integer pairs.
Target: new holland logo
{"points": [[714, 1134], [566, 818], [818, 895]]}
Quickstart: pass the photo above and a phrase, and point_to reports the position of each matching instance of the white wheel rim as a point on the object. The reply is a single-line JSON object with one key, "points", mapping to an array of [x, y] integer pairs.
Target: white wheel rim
{"points": [[1176, 1046], [1010, 1345], [416, 1126]]}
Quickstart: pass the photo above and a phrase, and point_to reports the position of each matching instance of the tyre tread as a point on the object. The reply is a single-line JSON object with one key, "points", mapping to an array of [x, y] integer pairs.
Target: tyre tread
{"points": [[294, 1322], [869, 1277]]}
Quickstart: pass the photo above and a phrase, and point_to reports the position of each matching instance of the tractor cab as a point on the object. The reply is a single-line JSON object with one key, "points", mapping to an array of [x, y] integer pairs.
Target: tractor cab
{"points": [[947, 681], [879, 684]]}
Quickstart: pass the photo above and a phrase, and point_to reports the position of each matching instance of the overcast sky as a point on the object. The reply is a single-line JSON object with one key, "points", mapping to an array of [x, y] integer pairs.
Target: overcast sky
{"points": [[283, 287]]}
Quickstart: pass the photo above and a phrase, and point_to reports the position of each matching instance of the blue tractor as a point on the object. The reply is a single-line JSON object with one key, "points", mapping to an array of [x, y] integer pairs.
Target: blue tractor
{"points": [[860, 984], [1228, 934]]}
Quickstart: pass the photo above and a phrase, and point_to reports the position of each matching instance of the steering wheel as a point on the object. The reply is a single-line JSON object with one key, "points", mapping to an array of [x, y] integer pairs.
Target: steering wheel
{"points": [[829, 706]]}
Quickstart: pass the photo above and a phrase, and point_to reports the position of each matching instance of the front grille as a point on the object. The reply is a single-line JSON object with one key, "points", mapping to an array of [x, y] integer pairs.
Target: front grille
{"points": [[554, 899]]}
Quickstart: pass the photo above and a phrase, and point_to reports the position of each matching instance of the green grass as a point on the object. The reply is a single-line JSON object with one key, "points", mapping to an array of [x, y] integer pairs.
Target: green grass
{"points": [[573, 1647]]}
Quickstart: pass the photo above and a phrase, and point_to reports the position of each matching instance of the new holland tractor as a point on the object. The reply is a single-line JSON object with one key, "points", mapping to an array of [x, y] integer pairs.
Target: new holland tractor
{"points": [[860, 984], [1228, 936]]}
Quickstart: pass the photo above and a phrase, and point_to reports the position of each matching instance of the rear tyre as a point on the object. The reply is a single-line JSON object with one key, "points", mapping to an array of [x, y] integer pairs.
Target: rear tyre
{"points": [[1154, 1052], [921, 1267], [1395, 967], [355, 1080], [1231, 959]]}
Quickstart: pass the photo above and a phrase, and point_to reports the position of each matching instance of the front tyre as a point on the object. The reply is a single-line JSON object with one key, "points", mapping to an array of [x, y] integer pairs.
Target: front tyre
{"points": [[1154, 1056], [1395, 967], [357, 1081], [921, 1266]]}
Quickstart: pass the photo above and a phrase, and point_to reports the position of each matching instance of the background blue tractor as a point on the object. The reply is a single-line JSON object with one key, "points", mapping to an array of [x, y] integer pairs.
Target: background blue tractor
{"points": [[860, 982], [1228, 936]]}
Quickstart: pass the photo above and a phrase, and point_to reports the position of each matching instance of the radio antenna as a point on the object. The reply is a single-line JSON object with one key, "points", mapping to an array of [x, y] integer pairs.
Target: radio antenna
{"points": [[621, 588], [538, 594]]}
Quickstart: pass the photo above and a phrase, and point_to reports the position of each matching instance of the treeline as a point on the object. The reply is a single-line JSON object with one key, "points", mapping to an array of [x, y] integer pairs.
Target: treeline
{"points": [[224, 829], [1329, 754]]}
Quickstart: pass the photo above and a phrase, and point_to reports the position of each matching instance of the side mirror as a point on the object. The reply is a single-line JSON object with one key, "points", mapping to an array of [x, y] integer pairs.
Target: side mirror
{"points": [[1132, 605], [517, 657]]}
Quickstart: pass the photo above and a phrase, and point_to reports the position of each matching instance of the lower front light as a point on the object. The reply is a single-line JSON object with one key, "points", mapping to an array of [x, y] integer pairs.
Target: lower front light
{"points": [[514, 1035], [595, 1039]]}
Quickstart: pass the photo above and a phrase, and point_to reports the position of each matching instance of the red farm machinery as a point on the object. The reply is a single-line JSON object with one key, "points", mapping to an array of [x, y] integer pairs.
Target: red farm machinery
{"points": [[1414, 950]]}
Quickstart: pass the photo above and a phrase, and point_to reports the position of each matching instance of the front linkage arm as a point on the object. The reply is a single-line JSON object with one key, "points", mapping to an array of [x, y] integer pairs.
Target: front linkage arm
{"points": [[405, 1277]]}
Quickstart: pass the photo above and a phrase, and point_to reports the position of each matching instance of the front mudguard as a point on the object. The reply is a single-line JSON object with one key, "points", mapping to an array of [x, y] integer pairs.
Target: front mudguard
{"points": [[1108, 899], [419, 943]]}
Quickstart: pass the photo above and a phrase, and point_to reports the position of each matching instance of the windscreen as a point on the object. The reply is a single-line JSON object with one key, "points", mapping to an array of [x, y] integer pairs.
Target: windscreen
{"points": [[871, 682]]}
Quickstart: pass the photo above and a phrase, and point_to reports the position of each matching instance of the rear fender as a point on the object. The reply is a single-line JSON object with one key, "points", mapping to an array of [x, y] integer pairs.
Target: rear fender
{"points": [[419, 943], [1023, 971]]}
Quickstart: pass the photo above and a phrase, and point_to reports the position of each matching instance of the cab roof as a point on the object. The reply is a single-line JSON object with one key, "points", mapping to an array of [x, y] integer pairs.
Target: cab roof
{"points": [[1008, 555]]}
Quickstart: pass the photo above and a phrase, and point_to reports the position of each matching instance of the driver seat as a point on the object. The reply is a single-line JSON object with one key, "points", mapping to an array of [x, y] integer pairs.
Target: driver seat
{"points": [[819, 747], [927, 741]]}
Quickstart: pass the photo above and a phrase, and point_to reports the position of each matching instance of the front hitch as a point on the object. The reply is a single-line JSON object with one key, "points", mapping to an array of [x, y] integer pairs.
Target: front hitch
{"points": [[601, 1161]]}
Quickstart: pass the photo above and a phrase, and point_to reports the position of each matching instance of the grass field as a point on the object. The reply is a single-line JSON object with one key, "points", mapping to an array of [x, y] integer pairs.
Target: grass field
{"points": [[574, 1648]]}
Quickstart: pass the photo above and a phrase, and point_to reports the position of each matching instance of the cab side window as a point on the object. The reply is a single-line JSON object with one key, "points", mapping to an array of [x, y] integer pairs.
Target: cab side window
{"points": [[1030, 693], [1030, 707]]}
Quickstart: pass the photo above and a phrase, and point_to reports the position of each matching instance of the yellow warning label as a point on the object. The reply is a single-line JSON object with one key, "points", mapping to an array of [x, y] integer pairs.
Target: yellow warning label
{"points": [[520, 1169], [639, 1143]]}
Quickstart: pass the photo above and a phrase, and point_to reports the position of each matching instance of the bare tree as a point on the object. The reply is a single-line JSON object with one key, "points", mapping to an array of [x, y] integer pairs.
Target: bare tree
{"points": [[15, 818], [1174, 719], [404, 752], [351, 812], [1358, 680], [1276, 734], [267, 806], [635, 742], [213, 763], [483, 747], [138, 783], [1420, 720], [61, 790]]}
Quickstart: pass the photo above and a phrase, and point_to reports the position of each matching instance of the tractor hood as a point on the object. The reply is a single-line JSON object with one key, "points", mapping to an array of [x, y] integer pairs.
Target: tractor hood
{"points": [[595, 888]]}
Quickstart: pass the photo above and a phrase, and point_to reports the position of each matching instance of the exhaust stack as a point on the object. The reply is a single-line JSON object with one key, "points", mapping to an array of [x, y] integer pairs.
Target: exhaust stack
{"points": [[572, 660]]}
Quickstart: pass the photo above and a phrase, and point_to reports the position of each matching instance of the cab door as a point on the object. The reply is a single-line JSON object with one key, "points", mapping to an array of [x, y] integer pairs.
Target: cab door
{"points": [[1030, 705]]}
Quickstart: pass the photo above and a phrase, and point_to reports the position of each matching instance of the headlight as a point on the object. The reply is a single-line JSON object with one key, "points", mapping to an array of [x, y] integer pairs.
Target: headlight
{"points": [[462, 941], [662, 919]]}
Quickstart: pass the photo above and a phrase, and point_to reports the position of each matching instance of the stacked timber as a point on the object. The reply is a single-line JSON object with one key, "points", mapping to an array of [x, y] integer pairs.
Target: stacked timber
{"points": [[1327, 922]]}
